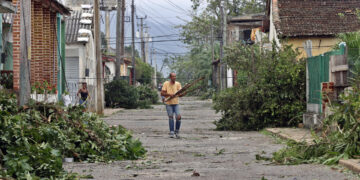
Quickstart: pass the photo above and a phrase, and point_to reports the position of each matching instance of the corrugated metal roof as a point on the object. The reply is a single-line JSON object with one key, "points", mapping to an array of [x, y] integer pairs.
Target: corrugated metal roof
{"points": [[73, 26], [7, 18]]}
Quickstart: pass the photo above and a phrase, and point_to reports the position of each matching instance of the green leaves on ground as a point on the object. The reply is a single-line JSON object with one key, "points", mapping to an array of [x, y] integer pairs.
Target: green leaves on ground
{"points": [[270, 90], [339, 138], [34, 139]]}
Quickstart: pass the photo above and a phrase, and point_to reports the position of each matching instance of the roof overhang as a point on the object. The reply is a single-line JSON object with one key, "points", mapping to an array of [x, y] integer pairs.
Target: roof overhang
{"points": [[247, 18], [6, 6], [56, 6], [110, 58]]}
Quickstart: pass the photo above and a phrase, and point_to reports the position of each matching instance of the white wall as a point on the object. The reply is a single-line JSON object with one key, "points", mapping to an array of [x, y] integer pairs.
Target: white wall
{"points": [[86, 55], [272, 33], [111, 66]]}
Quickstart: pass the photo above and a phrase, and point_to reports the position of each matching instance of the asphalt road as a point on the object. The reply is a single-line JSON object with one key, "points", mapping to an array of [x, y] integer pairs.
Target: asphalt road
{"points": [[213, 155]]}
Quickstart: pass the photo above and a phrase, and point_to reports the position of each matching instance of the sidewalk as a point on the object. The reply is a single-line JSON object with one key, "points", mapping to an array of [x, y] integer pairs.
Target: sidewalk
{"points": [[110, 111], [296, 134], [304, 135]]}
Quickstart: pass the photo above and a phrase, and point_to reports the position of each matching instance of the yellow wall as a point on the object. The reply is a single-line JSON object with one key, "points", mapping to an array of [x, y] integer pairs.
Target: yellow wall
{"points": [[123, 71], [319, 45]]}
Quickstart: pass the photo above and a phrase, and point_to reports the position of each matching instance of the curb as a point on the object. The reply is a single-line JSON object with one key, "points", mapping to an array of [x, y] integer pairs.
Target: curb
{"points": [[352, 164], [298, 135]]}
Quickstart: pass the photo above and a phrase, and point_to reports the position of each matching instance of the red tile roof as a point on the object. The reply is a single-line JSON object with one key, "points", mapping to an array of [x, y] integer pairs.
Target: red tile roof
{"points": [[315, 17]]}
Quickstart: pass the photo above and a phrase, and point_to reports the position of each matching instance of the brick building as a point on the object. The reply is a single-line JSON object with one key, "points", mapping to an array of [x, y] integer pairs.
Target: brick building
{"points": [[46, 46]]}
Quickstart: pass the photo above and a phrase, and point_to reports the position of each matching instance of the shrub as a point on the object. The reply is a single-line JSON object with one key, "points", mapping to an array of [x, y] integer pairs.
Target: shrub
{"points": [[119, 93], [147, 96], [144, 72], [273, 95], [6, 80], [35, 138]]}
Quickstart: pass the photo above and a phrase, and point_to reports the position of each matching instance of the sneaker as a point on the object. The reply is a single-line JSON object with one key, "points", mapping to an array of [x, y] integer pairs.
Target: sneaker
{"points": [[172, 135], [177, 136]]}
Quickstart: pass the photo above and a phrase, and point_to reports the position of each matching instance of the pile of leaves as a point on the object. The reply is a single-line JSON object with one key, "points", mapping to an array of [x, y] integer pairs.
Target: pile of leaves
{"points": [[35, 138], [119, 93], [270, 91]]}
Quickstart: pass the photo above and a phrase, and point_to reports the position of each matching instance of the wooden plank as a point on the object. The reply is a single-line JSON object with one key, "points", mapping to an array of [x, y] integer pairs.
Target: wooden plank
{"points": [[337, 68]]}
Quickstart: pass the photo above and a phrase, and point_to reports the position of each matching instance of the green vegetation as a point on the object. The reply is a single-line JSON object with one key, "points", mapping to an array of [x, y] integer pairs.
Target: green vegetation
{"points": [[193, 66], [270, 90], [6, 80], [119, 93], [35, 138], [147, 96], [339, 137], [144, 72], [199, 33]]}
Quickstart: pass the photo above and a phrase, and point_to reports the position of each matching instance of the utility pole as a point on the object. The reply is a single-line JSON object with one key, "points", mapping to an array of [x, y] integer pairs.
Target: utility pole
{"points": [[147, 46], [142, 38], [222, 43], [99, 66], [155, 69], [122, 47], [119, 28], [214, 71], [25, 44], [133, 40], [107, 27]]}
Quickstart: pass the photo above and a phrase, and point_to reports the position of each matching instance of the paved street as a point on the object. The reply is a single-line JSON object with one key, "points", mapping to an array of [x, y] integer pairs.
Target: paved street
{"points": [[213, 154]]}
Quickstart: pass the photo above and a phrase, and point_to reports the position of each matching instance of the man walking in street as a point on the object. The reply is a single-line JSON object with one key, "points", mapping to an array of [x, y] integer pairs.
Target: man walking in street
{"points": [[172, 106]]}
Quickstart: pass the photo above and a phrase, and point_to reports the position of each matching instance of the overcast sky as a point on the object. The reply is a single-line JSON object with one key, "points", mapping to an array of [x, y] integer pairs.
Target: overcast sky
{"points": [[162, 17]]}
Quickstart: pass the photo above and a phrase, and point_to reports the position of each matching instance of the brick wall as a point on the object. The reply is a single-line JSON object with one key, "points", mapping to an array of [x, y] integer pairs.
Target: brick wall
{"points": [[43, 63], [16, 48]]}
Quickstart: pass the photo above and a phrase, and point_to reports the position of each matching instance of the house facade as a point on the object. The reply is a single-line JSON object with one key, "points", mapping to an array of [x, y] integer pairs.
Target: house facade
{"points": [[240, 29], [46, 51], [109, 63], [80, 54], [314, 24], [312, 28]]}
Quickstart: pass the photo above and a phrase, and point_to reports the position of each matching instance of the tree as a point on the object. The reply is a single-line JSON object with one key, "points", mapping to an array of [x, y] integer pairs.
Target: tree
{"points": [[197, 34], [144, 72], [104, 42]]}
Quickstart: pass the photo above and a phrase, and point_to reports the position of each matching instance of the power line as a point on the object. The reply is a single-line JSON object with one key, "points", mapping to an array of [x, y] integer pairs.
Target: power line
{"points": [[171, 40], [167, 35], [158, 28], [153, 2], [176, 6]]}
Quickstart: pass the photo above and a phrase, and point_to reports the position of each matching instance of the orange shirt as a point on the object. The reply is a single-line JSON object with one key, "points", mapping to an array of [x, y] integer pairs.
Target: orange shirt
{"points": [[171, 88]]}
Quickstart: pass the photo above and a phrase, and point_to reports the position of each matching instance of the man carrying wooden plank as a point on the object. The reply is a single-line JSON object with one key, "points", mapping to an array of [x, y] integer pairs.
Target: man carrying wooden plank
{"points": [[169, 90]]}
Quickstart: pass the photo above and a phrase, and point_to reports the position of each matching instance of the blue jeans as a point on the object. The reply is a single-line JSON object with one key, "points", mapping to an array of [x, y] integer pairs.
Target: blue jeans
{"points": [[171, 109], [82, 102]]}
